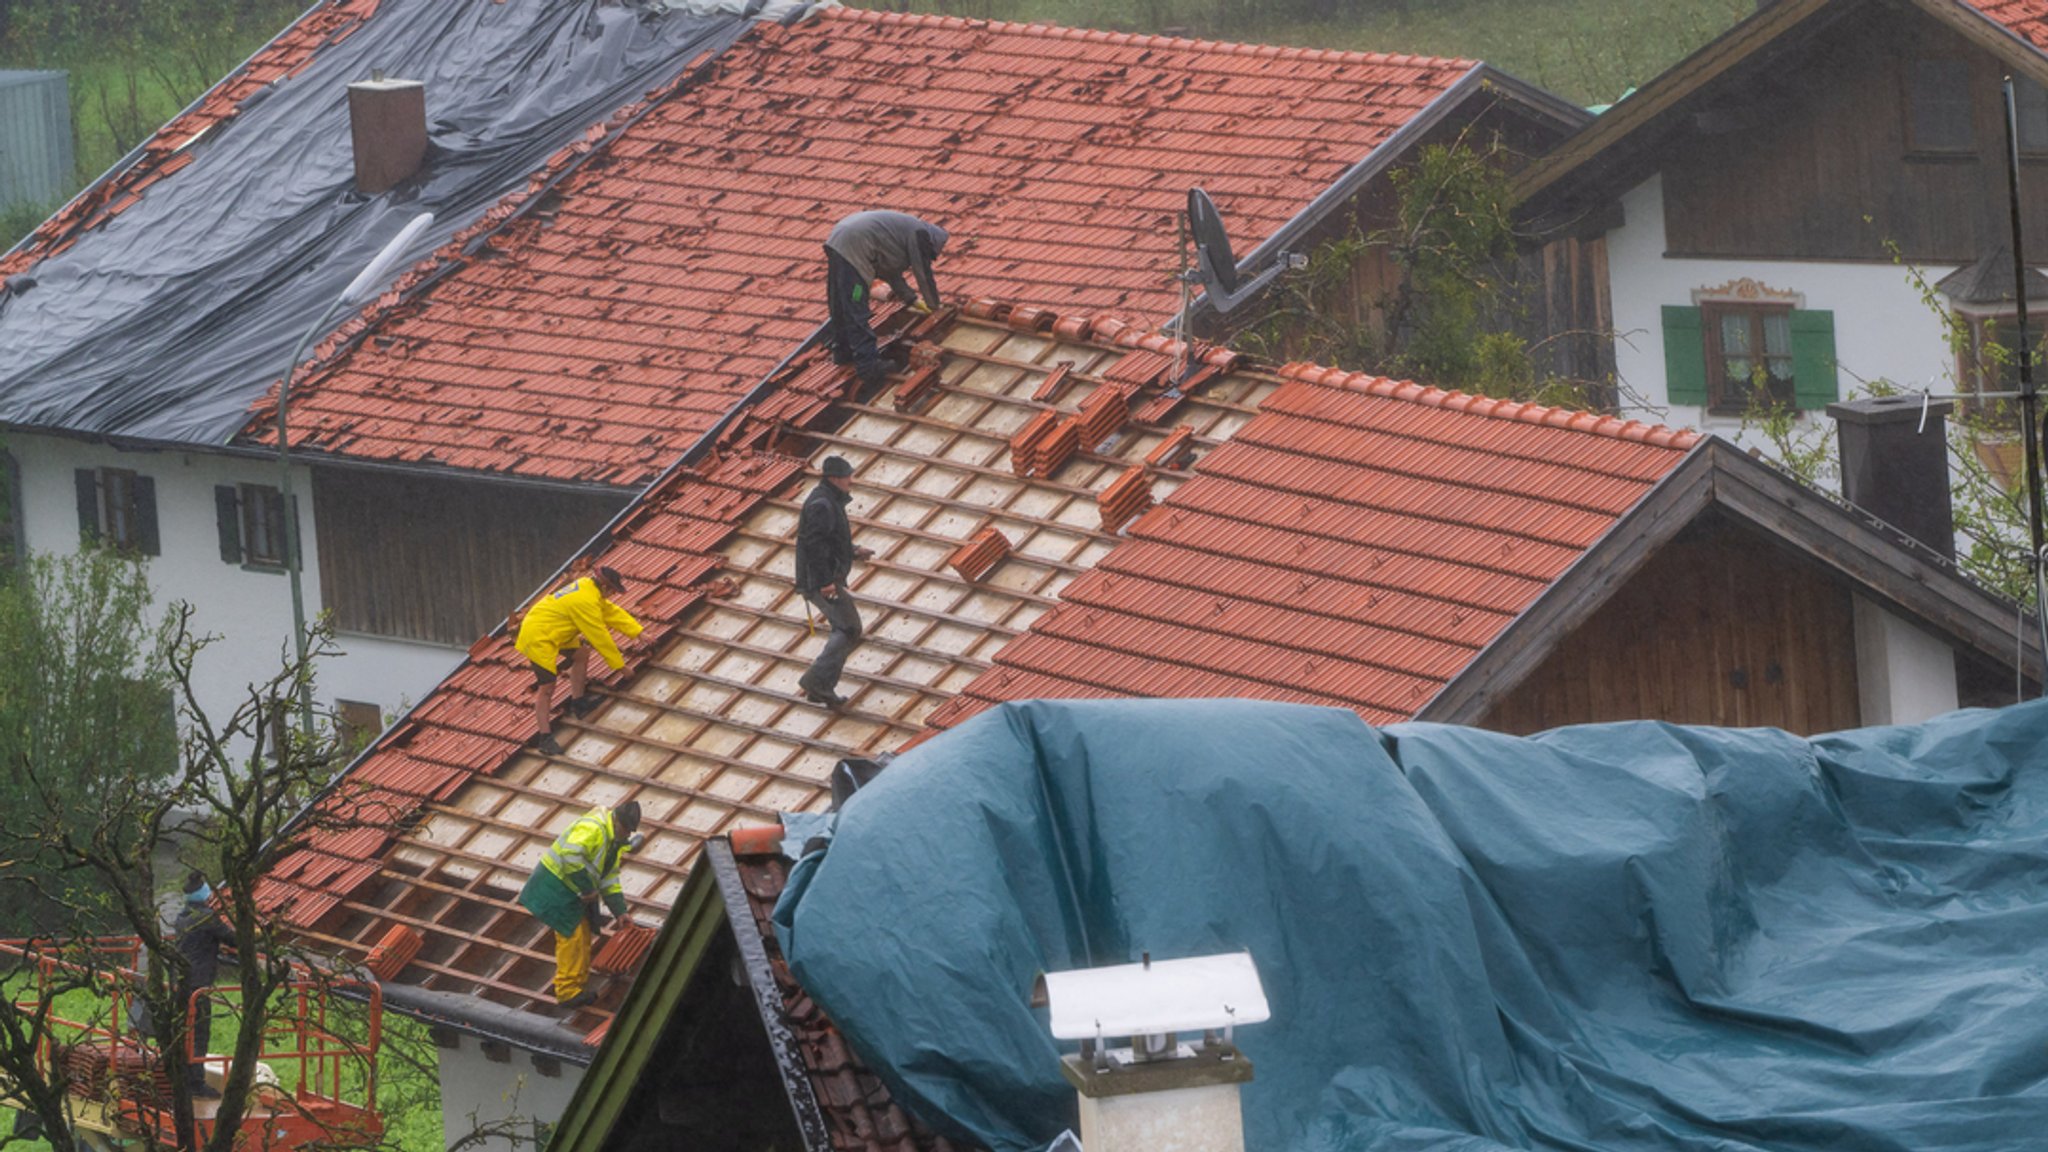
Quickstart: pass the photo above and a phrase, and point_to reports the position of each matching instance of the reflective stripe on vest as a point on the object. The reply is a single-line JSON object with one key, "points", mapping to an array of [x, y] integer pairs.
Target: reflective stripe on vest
{"points": [[565, 857]]}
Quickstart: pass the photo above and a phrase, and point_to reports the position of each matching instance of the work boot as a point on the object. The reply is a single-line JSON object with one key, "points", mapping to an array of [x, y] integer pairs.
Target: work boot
{"points": [[546, 743], [205, 1091], [585, 704], [579, 1000], [825, 699]]}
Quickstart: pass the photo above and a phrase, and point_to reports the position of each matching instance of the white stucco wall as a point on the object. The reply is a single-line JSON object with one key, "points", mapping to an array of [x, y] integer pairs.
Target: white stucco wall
{"points": [[476, 1091], [1883, 329], [248, 610]]}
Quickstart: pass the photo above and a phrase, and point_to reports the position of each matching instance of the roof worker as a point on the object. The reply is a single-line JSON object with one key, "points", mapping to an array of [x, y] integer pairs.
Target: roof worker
{"points": [[198, 933], [577, 871], [560, 623], [824, 558], [863, 248]]}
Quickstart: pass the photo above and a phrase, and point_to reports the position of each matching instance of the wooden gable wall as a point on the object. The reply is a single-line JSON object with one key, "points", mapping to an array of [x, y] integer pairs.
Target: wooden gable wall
{"points": [[1791, 153], [1721, 627], [441, 560]]}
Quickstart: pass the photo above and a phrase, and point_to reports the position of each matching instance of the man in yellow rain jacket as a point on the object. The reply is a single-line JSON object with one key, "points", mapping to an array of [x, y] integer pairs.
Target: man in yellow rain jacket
{"points": [[580, 868], [578, 611]]}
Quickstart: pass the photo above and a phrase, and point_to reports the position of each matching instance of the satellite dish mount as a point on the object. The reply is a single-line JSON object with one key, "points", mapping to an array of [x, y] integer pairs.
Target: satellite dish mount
{"points": [[1212, 266]]}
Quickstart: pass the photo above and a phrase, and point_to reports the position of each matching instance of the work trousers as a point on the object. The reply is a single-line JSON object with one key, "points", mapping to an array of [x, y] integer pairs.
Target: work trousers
{"points": [[852, 327], [202, 1038], [572, 962], [845, 637]]}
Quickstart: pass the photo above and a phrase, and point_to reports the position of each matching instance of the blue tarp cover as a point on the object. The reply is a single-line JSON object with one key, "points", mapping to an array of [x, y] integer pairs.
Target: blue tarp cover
{"points": [[1624, 936]]}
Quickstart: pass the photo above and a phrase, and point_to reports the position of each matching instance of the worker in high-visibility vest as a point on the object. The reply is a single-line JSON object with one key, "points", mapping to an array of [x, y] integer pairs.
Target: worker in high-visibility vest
{"points": [[580, 869]]}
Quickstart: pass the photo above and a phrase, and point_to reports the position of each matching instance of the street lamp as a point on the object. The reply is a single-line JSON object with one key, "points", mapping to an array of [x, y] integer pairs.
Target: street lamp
{"points": [[365, 282]]}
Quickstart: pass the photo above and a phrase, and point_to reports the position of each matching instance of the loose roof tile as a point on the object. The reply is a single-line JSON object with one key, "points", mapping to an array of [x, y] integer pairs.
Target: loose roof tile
{"points": [[673, 267], [1315, 536]]}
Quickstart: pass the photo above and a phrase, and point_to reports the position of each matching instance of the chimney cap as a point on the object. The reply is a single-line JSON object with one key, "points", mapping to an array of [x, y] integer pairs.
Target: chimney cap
{"points": [[1891, 409], [1195, 994], [378, 82]]}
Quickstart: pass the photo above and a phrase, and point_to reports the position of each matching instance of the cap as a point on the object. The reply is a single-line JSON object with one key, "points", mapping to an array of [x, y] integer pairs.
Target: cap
{"points": [[836, 466]]}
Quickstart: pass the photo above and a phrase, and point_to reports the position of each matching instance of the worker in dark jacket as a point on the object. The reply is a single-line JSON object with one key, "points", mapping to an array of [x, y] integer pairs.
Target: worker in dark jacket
{"points": [[866, 247], [199, 934], [824, 558]]}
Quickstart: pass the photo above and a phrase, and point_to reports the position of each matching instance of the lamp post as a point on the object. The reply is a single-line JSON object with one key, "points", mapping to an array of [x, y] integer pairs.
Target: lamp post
{"points": [[367, 280]]}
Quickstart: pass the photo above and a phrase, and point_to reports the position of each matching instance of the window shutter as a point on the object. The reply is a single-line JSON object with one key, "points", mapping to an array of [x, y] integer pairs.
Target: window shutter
{"points": [[1685, 356], [296, 542], [145, 517], [227, 515], [1813, 359], [88, 504]]}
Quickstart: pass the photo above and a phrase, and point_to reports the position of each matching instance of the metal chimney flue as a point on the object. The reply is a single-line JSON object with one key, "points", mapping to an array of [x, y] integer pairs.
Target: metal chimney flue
{"points": [[1142, 1088], [1895, 465], [387, 122]]}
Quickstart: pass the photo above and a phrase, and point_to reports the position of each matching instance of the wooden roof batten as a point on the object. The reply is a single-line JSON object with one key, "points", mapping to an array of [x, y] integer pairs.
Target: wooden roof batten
{"points": [[1716, 475]]}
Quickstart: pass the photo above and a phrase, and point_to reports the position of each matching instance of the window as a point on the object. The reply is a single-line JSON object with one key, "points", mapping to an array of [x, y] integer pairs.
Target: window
{"points": [[356, 723], [1938, 112], [1749, 356], [1989, 362], [1730, 356], [250, 518], [118, 508], [2030, 108], [13, 548]]}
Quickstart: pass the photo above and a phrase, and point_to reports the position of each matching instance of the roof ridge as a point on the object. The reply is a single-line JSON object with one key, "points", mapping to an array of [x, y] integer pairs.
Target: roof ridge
{"points": [[1151, 39], [1523, 411]]}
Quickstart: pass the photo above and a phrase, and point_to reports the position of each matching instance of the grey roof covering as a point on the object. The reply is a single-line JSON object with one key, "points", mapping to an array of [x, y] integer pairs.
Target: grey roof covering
{"points": [[1988, 282], [165, 322]]}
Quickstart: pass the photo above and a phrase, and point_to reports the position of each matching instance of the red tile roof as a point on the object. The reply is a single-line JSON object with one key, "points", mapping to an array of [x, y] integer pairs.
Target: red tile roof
{"points": [[1312, 535], [595, 339], [1355, 545], [2026, 19], [165, 152]]}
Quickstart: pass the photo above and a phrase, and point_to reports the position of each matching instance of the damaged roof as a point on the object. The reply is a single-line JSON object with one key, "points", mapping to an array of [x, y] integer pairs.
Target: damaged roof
{"points": [[594, 339], [1050, 516], [162, 302]]}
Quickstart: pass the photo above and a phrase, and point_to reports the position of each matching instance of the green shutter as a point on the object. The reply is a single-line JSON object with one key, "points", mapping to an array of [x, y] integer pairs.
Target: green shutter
{"points": [[1813, 359], [1685, 356], [146, 540], [88, 483]]}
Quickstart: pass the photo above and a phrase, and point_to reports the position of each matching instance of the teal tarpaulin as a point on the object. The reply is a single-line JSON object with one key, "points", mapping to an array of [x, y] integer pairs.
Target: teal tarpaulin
{"points": [[1617, 937]]}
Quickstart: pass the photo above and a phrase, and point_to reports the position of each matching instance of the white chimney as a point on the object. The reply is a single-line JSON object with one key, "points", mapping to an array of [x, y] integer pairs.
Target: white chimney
{"points": [[387, 124], [1154, 1093]]}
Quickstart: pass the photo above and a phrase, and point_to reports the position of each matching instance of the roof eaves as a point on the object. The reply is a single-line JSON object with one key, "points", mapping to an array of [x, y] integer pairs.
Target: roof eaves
{"points": [[635, 1032], [1587, 584], [1994, 36], [1675, 83]]}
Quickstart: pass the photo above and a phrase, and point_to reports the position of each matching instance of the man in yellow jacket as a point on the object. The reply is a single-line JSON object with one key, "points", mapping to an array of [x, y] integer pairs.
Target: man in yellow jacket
{"points": [[578, 870], [578, 611]]}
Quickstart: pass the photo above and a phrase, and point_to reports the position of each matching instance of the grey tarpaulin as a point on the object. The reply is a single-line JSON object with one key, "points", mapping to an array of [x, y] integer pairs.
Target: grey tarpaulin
{"points": [[1620, 937], [166, 323]]}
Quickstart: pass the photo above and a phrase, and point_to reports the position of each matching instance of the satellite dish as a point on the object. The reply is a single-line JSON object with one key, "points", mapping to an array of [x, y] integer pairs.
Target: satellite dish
{"points": [[1215, 266]]}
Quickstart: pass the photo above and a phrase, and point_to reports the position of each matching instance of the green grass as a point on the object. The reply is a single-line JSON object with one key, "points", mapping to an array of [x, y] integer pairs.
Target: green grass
{"points": [[1590, 51]]}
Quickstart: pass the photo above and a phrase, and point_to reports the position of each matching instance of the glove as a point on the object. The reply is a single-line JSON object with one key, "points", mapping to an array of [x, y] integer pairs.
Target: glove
{"points": [[634, 841], [920, 307]]}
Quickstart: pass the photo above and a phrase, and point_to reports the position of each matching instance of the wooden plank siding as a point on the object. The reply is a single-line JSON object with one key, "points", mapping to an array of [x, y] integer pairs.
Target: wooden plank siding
{"points": [[1722, 626], [1804, 154], [441, 560]]}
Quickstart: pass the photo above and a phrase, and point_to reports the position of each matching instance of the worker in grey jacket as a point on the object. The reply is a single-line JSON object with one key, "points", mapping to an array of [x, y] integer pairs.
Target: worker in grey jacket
{"points": [[866, 247]]}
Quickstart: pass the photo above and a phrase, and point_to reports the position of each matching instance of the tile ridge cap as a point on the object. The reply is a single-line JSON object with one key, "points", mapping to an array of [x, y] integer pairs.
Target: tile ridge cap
{"points": [[1522, 411], [1148, 39]]}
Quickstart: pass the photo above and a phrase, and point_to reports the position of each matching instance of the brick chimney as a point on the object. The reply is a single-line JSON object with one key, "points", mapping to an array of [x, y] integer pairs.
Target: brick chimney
{"points": [[387, 122], [1895, 467], [1152, 1092]]}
